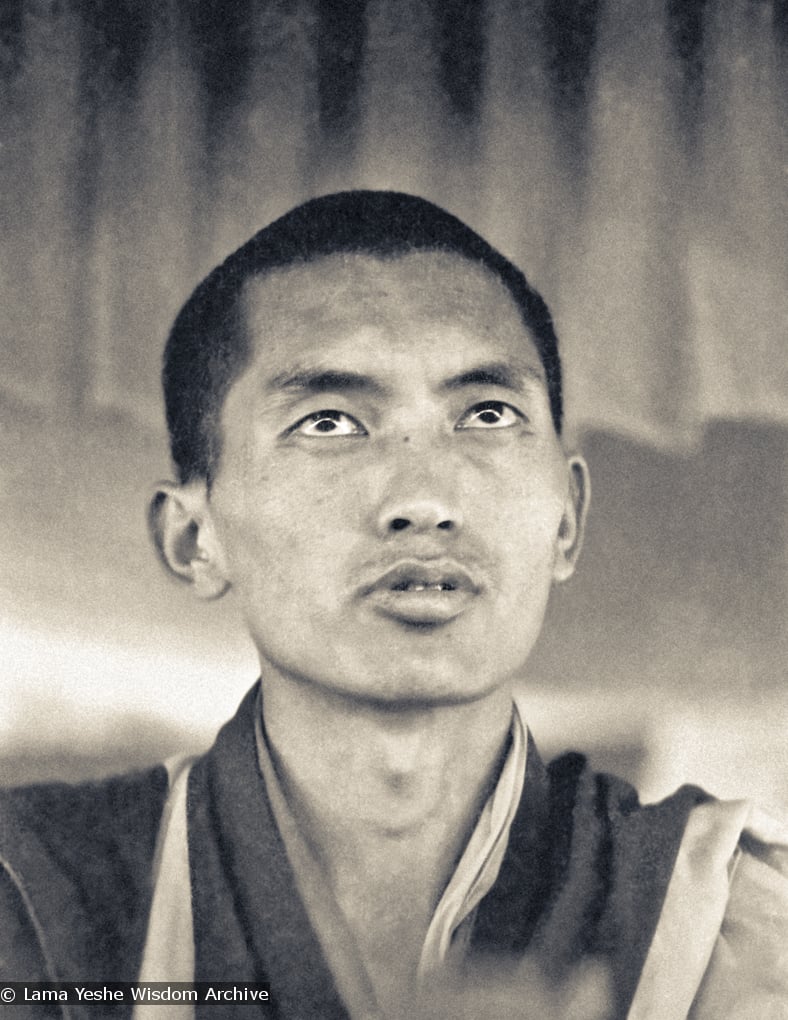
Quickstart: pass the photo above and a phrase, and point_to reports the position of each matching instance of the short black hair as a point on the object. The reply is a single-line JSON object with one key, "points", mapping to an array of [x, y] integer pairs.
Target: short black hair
{"points": [[209, 346]]}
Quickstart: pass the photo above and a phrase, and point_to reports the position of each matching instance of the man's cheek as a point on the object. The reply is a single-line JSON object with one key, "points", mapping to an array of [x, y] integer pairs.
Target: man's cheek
{"points": [[255, 556], [528, 532]]}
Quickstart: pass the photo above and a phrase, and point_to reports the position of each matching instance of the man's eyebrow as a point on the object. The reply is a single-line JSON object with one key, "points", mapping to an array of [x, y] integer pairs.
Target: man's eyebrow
{"points": [[495, 373], [317, 381]]}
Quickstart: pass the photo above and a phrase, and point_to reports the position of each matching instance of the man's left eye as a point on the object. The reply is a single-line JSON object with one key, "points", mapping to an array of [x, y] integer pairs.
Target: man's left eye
{"points": [[328, 423], [490, 414]]}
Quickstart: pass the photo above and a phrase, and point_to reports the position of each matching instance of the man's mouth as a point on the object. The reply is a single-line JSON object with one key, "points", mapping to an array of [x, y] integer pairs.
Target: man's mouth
{"points": [[422, 592], [423, 586]]}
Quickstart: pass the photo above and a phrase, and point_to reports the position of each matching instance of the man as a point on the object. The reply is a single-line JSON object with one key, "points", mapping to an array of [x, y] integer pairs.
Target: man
{"points": [[364, 405]]}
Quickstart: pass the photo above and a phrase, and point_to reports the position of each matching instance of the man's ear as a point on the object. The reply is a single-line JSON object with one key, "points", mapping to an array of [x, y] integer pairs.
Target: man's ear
{"points": [[572, 527], [183, 535]]}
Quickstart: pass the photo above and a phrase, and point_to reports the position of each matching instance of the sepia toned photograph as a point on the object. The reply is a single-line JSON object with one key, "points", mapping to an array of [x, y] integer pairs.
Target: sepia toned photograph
{"points": [[393, 483]]}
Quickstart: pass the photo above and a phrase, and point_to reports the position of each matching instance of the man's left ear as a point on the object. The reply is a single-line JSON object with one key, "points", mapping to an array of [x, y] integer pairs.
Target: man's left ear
{"points": [[572, 527]]}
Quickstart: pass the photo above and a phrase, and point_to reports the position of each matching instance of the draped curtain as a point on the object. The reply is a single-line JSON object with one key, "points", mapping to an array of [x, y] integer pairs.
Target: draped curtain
{"points": [[627, 154]]}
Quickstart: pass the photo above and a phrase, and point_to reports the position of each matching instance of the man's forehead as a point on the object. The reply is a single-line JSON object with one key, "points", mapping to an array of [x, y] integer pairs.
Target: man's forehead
{"points": [[428, 279], [362, 303]]}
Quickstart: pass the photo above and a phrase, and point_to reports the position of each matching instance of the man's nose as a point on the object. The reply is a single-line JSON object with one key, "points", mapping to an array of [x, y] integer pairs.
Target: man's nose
{"points": [[419, 515], [420, 503]]}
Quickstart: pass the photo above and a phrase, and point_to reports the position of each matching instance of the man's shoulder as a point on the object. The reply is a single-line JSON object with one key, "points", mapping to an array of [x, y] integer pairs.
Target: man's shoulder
{"points": [[733, 837], [721, 946], [71, 854], [695, 892], [740, 830], [578, 789], [88, 818]]}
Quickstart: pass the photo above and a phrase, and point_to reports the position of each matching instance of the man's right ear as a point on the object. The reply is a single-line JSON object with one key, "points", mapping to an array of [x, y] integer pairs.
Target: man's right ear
{"points": [[183, 535]]}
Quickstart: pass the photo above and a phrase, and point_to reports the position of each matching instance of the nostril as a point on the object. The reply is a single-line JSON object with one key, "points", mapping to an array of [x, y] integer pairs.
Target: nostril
{"points": [[446, 525], [399, 524]]}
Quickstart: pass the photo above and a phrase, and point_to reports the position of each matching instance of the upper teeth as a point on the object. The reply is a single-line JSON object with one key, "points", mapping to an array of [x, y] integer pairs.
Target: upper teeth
{"points": [[420, 586]]}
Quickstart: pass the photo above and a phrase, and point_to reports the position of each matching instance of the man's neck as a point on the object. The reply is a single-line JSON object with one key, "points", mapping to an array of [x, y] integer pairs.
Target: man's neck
{"points": [[395, 787], [387, 798]]}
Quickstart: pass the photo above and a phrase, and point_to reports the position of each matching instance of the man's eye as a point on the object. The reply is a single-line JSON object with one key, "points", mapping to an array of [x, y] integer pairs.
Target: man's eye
{"points": [[328, 423], [490, 414]]}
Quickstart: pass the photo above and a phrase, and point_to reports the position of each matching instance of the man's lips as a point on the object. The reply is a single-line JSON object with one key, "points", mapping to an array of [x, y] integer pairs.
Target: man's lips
{"points": [[422, 591]]}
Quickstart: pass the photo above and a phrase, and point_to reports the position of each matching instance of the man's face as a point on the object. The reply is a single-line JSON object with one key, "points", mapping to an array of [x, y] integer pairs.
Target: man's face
{"points": [[392, 494]]}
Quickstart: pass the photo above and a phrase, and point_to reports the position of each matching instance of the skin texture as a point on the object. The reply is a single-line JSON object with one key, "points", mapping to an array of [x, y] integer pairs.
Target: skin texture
{"points": [[307, 520], [391, 509]]}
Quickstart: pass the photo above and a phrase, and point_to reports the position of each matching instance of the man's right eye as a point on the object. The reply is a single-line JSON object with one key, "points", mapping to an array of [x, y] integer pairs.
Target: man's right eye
{"points": [[327, 424]]}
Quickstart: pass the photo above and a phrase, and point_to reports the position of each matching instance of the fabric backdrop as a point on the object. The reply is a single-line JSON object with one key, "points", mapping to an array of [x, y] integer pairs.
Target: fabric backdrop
{"points": [[629, 154]]}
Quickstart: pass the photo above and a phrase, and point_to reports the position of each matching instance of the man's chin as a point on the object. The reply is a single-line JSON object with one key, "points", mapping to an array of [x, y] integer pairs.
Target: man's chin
{"points": [[400, 674], [410, 690]]}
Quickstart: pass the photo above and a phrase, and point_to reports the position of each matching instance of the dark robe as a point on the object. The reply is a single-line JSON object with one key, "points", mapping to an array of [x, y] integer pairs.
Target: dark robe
{"points": [[584, 875]]}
